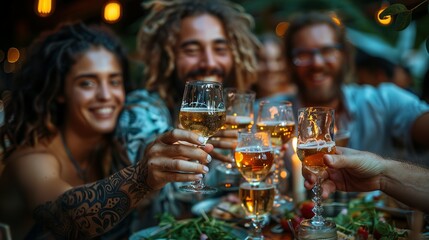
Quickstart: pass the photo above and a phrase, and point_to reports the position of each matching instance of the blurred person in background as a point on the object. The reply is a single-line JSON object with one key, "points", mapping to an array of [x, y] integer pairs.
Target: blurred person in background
{"points": [[180, 41], [386, 120], [373, 70], [64, 165], [425, 87], [272, 71]]}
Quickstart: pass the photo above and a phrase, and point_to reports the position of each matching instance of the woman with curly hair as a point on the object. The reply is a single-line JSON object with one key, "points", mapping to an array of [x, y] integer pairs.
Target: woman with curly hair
{"points": [[59, 145]]}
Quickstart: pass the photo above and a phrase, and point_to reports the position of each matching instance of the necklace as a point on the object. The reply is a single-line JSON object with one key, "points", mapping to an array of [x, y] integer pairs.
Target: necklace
{"points": [[81, 173]]}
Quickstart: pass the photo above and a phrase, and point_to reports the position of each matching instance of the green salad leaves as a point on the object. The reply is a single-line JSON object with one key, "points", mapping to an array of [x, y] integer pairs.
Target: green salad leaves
{"points": [[196, 228]]}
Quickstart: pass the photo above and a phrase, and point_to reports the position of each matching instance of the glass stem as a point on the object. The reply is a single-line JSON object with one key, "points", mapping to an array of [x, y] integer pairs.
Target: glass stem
{"points": [[257, 223], [318, 219]]}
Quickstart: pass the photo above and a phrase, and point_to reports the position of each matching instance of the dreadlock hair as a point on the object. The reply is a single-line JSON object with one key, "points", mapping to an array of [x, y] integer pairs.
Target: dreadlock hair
{"points": [[159, 31], [32, 112], [304, 20]]}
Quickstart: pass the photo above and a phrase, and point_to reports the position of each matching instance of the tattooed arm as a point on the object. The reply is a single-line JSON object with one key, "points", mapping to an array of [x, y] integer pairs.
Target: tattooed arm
{"points": [[93, 209]]}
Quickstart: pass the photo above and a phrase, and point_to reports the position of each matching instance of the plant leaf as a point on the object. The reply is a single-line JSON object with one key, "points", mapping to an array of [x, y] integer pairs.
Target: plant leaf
{"points": [[393, 10], [402, 20]]}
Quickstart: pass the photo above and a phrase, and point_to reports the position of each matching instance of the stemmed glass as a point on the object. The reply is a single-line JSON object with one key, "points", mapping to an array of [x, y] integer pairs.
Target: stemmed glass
{"points": [[257, 202], [316, 138], [254, 156], [203, 112], [239, 109], [277, 118]]}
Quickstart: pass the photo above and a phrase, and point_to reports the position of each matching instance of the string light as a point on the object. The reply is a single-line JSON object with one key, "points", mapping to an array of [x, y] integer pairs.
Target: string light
{"points": [[13, 55], [44, 8], [387, 19], [281, 28], [112, 11]]}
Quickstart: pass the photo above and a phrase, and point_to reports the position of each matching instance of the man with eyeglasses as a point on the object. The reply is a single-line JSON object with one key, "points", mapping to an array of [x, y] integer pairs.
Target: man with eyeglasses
{"points": [[385, 120]]}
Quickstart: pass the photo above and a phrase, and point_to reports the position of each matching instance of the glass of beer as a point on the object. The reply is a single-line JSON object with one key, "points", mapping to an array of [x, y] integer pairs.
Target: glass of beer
{"points": [[315, 139], [254, 156], [203, 112], [257, 202], [239, 117], [277, 118]]}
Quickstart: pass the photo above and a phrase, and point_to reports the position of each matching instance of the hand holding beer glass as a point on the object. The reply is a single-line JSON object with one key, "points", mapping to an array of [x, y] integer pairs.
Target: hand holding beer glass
{"points": [[203, 112], [316, 138]]}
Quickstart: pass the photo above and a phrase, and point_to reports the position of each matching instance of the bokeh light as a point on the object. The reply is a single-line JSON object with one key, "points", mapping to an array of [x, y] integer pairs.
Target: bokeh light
{"points": [[112, 12], [44, 8], [281, 28]]}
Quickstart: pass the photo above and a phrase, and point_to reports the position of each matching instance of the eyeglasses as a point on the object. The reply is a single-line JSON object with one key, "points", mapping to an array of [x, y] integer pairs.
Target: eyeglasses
{"points": [[305, 56]]}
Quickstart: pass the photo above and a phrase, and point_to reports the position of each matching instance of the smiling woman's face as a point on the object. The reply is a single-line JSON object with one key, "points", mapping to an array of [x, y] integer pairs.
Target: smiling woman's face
{"points": [[94, 92]]}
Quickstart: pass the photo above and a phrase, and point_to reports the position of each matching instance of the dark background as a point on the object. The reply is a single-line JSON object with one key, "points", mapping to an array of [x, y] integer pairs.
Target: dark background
{"points": [[20, 24]]}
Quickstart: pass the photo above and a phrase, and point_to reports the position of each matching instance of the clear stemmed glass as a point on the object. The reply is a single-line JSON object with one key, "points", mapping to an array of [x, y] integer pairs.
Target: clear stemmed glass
{"points": [[257, 201], [277, 118], [239, 116], [254, 156], [316, 138], [203, 112]]}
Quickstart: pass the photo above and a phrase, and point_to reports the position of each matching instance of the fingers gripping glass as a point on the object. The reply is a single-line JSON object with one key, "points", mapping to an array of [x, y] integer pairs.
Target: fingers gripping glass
{"points": [[305, 56], [202, 112]]}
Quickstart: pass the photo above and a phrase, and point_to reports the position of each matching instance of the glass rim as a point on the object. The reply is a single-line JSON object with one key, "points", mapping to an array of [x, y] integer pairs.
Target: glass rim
{"points": [[203, 82], [281, 102], [327, 109]]}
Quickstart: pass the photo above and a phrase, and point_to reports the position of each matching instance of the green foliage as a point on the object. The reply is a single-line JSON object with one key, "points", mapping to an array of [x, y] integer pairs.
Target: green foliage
{"points": [[192, 229], [403, 16]]}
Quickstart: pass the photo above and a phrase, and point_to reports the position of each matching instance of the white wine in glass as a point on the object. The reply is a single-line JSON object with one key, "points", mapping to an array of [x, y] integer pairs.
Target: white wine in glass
{"points": [[254, 156], [203, 112], [315, 139], [257, 202]]}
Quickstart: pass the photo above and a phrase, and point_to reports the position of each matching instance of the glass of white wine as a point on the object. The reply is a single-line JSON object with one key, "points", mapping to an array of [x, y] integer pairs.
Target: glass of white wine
{"points": [[239, 116], [277, 118], [257, 202], [254, 156], [203, 112], [315, 139]]}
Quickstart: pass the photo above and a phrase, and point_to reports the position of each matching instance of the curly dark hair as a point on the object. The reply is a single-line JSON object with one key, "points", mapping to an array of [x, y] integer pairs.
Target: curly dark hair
{"points": [[158, 34], [32, 112]]}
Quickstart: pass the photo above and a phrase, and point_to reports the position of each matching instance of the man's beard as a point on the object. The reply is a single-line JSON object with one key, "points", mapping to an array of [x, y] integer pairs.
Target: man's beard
{"points": [[311, 97], [203, 74]]}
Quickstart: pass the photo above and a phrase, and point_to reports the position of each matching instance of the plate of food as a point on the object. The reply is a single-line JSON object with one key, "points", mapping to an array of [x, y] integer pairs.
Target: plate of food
{"points": [[227, 208], [203, 227]]}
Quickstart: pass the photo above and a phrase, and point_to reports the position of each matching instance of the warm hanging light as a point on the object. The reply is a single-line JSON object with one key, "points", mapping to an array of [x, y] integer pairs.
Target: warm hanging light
{"points": [[44, 8], [13, 55], [112, 11], [387, 19]]}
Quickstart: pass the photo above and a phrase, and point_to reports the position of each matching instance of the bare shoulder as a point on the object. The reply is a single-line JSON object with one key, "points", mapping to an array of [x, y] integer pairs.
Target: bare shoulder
{"points": [[37, 173]]}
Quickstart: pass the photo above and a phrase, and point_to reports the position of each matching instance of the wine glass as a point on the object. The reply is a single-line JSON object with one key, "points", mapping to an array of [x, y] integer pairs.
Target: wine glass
{"points": [[239, 115], [277, 118], [203, 112], [254, 156], [316, 138], [257, 202]]}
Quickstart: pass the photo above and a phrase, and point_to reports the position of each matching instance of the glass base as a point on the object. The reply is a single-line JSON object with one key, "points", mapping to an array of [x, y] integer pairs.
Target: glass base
{"points": [[198, 189], [308, 230]]}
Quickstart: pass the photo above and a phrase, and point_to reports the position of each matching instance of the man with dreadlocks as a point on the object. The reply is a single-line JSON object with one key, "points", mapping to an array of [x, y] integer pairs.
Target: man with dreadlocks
{"points": [[184, 40]]}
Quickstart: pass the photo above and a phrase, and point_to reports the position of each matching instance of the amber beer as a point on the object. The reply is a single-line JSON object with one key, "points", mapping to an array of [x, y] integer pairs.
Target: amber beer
{"points": [[311, 155], [201, 120], [256, 201], [254, 164], [242, 122], [281, 132]]}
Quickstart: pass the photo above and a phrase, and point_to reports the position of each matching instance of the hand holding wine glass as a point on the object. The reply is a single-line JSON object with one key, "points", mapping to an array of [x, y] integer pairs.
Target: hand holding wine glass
{"points": [[316, 138], [203, 112]]}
